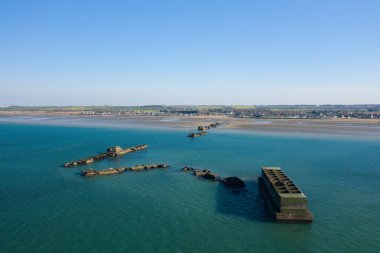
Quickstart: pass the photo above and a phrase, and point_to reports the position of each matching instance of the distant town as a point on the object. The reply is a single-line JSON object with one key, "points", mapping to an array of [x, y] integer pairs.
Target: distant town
{"points": [[258, 112]]}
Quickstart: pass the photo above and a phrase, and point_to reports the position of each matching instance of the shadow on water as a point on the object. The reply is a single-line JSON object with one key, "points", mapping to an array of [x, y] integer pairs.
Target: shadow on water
{"points": [[245, 202]]}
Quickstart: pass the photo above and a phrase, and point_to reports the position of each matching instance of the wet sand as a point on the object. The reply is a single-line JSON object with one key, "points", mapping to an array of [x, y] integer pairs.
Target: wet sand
{"points": [[344, 127]]}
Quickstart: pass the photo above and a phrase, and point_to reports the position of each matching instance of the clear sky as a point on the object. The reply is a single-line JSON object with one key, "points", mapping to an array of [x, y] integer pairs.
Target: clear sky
{"points": [[189, 52]]}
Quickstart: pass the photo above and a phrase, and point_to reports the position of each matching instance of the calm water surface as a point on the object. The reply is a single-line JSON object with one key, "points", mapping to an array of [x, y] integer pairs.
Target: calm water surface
{"points": [[47, 208]]}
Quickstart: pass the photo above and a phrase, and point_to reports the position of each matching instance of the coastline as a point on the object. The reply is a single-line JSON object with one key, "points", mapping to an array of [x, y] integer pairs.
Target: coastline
{"points": [[341, 127]]}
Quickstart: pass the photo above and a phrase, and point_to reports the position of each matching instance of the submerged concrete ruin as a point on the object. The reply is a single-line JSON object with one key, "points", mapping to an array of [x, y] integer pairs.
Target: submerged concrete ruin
{"points": [[231, 182], [206, 174], [194, 135], [111, 171], [284, 199], [111, 152], [202, 130], [213, 125]]}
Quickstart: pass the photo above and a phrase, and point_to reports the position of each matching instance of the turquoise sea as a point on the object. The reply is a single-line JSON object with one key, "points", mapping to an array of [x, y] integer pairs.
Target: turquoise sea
{"points": [[47, 208]]}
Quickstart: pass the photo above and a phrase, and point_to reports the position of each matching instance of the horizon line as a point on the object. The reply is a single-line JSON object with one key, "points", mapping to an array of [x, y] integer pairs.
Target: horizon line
{"points": [[145, 105]]}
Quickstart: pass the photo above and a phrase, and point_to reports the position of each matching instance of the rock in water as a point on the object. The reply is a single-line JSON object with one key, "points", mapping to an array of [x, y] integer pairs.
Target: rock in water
{"points": [[187, 169], [233, 182], [210, 175]]}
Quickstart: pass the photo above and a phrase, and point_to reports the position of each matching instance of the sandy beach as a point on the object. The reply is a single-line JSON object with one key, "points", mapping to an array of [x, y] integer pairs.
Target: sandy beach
{"points": [[345, 127]]}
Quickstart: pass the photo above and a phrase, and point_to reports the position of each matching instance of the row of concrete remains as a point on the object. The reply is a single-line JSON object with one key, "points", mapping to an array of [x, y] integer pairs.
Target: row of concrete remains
{"points": [[213, 125], [284, 199], [111, 171], [111, 152], [234, 182], [202, 130]]}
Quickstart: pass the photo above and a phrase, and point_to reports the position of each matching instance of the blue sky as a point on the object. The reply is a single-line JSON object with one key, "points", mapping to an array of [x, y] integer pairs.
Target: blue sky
{"points": [[189, 52]]}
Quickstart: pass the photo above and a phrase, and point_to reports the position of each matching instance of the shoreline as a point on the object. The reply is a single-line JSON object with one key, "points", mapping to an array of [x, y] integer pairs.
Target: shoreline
{"points": [[326, 127]]}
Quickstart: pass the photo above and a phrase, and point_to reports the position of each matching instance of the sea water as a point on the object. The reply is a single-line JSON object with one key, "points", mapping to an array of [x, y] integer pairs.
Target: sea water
{"points": [[45, 207]]}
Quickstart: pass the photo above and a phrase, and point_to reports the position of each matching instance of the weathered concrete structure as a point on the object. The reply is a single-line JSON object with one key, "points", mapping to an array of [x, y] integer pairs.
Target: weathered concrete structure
{"points": [[117, 150], [203, 128], [111, 152], [206, 174], [285, 200], [233, 182], [213, 125], [194, 135], [111, 171]]}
